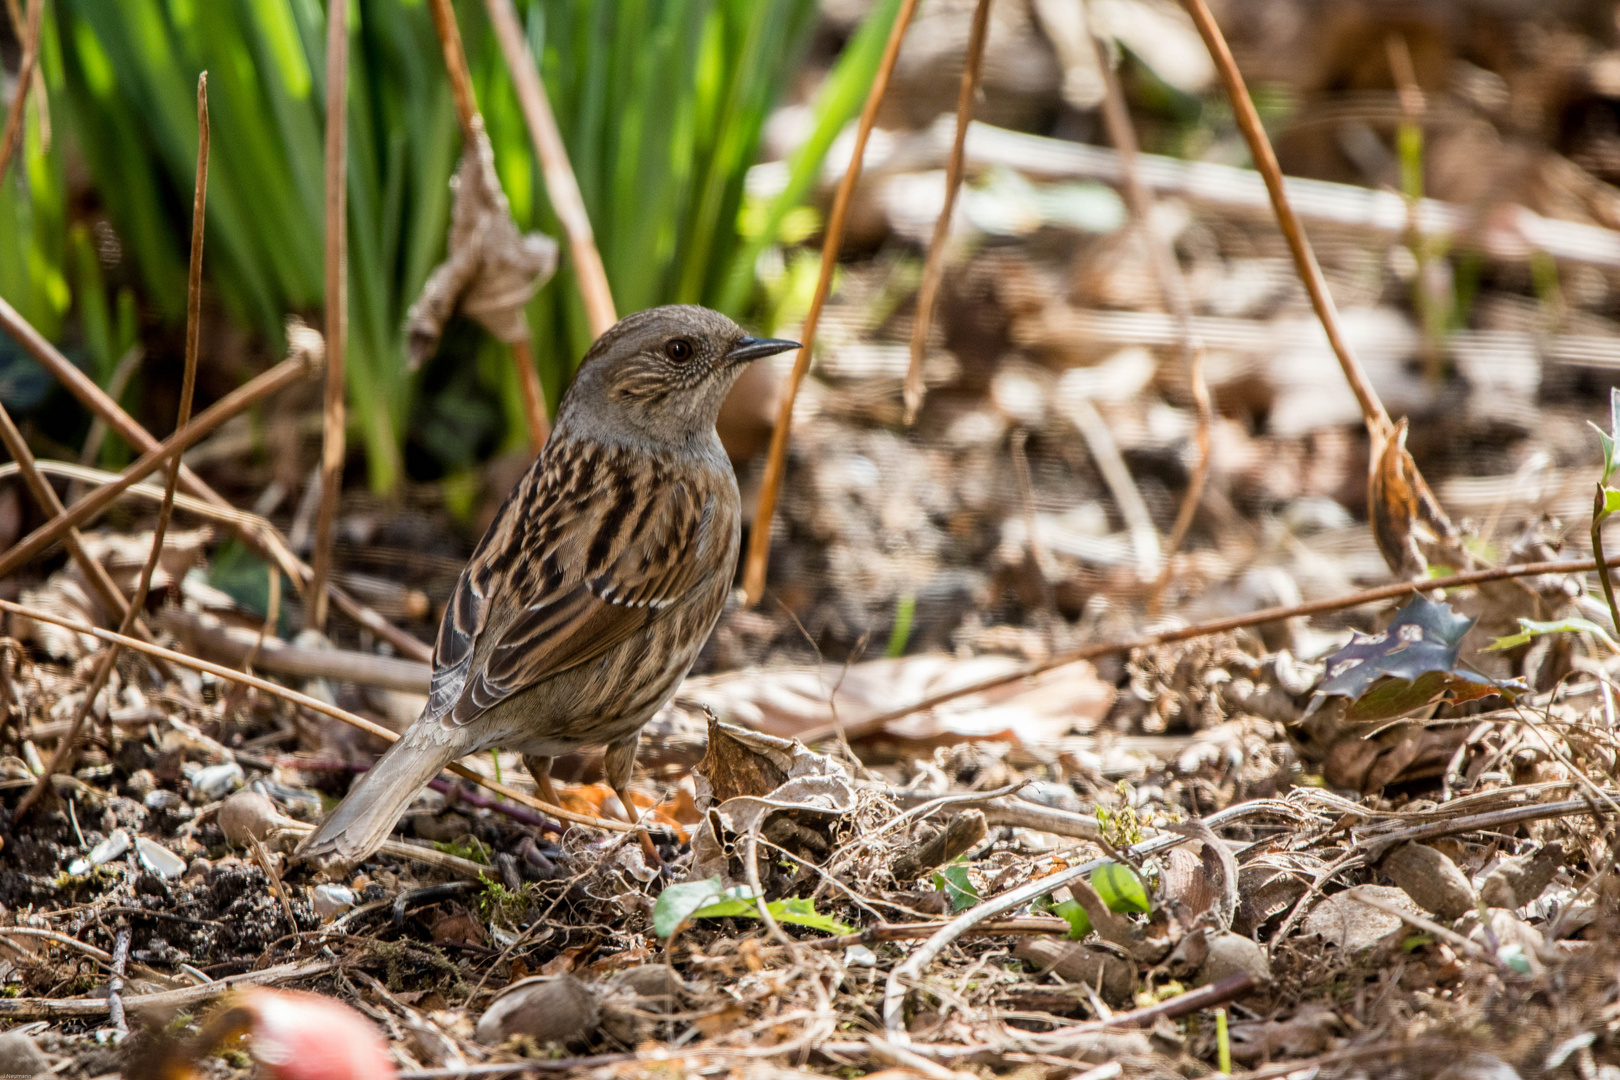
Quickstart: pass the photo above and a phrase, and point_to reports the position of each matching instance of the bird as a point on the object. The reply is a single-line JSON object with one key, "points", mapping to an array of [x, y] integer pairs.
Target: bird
{"points": [[599, 579]]}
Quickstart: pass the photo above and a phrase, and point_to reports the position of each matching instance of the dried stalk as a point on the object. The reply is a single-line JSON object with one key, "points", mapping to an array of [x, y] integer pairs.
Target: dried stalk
{"points": [[337, 305], [68, 746], [95, 574], [759, 539], [534, 398], [303, 701], [1265, 162], [1173, 288], [562, 188], [472, 129], [934, 266], [12, 135], [270, 544], [873, 725], [36, 542], [164, 1001]]}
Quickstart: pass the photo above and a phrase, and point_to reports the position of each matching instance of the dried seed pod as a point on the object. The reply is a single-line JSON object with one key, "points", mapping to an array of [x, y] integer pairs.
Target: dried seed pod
{"points": [[548, 1010]]}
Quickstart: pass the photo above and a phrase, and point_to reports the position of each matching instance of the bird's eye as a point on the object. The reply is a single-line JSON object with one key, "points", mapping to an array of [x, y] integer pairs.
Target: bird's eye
{"points": [[678, 349]]}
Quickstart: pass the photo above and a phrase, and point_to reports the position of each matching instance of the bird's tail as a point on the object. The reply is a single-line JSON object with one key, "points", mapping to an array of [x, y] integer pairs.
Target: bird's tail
{"points": [[364, 819]]}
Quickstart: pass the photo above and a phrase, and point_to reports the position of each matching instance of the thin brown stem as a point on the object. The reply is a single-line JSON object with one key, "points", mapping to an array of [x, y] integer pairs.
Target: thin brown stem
{"points": [[283, 374], [534, 400], [1265, 161], [759, 540], [333, 447], [271, 545], [1173, 288], [67, 747], [455, 64], [106, 590], [872, 725], [11, 136], [304, 701], [934, 265], [562, 187]]}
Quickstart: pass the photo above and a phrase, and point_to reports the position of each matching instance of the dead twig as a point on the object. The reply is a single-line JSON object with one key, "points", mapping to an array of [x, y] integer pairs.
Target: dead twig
{"points": [[514, 326], [12, 135], [872, 725], [759, 539], [37, 542], [1265, 162], [68, 745], [55, 1009], [271, 545], [934, 265], [115, 985], [562, 188], [333, 446], [95, 574], [303, 701]]}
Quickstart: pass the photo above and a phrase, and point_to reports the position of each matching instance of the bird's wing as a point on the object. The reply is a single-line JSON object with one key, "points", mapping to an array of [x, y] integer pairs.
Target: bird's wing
{"points": [[573, 565]]}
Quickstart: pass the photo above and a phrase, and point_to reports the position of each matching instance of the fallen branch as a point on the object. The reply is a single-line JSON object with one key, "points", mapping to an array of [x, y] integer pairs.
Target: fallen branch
{"points": [[873, 725], [759, 538], [210, 635]]}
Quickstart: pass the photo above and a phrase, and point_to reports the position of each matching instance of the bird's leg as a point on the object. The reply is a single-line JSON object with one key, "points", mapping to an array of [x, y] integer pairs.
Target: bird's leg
{"points": [[618, 763], [540, 768]]}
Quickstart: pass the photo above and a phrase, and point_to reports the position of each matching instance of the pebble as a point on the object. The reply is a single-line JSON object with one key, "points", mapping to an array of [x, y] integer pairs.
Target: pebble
{"points": [[548, 1009]]}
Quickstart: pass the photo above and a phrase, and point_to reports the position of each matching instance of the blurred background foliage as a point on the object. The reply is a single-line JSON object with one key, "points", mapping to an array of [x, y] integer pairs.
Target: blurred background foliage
{"points": [[661, 103]]}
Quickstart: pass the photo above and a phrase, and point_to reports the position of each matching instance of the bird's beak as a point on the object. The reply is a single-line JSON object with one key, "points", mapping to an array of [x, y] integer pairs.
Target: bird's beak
{"points": [[753, 348]]}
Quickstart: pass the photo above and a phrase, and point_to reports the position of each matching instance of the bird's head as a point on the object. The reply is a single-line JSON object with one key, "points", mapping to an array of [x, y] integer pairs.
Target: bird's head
{"points": [[660, 375]]}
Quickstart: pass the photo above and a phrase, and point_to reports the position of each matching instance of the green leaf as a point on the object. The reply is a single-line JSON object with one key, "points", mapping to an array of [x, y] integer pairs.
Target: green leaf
{"points": [[1406, 667], [953, 878], [801, 911], [1611, 500], [1120, 888], [1530, 628], [680, 902], [1079, 921]]}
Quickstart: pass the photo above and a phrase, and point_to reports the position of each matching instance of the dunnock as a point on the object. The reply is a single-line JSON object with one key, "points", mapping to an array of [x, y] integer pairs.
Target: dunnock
{"points": [[599, 580]]}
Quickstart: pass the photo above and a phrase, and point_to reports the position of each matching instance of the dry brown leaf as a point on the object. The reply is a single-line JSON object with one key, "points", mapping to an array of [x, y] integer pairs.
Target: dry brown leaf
{"points": [[1407, 521], [491, 270]]}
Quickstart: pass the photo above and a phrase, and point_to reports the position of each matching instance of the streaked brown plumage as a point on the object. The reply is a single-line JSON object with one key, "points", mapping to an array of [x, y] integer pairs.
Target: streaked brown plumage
{"points": [[601, 577]]}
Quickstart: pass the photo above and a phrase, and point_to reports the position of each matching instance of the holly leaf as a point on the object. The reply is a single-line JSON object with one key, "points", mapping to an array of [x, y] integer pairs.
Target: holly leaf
{"points": [[1530, 628], [802, 912], [953, 878], [708, 900], [1406, 667]]}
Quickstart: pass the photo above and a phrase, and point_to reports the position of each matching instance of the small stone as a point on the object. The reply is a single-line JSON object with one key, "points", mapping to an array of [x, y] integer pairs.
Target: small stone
{"points": [[654, 981], [1433, 881], [20, 1057], [216, 781], [142, 783], [1517, 881], [246, 816], [197, 869], [330, 901], [1233, 954], [548, 1009]]}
